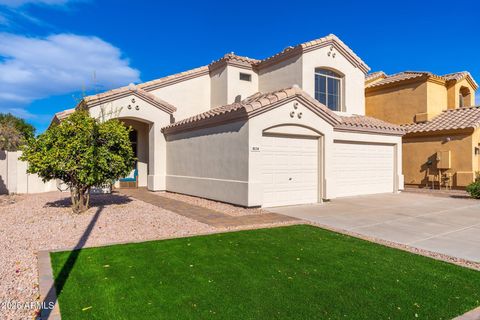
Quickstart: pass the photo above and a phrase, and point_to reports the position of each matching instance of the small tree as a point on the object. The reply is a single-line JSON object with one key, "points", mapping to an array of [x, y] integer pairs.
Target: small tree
{"points": [[14, 132], [82, 152]]}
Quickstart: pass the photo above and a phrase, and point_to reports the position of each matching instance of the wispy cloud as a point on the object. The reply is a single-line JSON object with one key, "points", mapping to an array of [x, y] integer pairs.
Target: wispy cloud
{"points": [[19, 3], [36, 68]]}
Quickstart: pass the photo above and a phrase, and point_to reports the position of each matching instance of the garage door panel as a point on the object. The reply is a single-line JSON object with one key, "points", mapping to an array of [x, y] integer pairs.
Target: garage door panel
{"points": [[289, 170], [363, 168]]}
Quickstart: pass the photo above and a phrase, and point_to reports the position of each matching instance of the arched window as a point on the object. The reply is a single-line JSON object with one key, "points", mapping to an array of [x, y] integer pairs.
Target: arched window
{"points": [[328, 88]]}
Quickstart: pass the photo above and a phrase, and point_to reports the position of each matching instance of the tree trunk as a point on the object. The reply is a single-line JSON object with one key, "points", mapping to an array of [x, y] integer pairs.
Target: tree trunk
{"points": [[80, 199]]}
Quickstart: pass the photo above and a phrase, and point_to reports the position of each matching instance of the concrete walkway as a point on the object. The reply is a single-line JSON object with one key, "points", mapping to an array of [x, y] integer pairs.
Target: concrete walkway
{"points": [[440, 224], [204, 215]]}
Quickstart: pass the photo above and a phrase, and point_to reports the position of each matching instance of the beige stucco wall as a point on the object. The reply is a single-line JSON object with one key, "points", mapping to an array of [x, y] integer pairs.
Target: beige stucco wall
{"points": [[417, 150], [300, 70], [281, 75], [210, 163], [436, 99], [398, 104], [155, 118], [219, 93], [190, 97], [353, 83], [454, 91], [227, 87]]}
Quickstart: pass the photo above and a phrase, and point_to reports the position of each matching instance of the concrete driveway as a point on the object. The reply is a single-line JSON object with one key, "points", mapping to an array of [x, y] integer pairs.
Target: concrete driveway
{"points": [[445, 225]]}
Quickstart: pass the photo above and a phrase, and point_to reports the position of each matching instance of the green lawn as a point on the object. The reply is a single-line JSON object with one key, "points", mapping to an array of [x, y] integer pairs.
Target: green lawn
{"points": [[297, 272]]}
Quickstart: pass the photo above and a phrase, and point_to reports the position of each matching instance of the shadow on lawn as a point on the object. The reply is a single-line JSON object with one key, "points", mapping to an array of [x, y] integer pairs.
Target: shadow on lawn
{"points": [[67, 268]]}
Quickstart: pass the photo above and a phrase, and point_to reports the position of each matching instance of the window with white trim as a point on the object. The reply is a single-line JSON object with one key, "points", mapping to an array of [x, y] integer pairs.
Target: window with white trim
{"points": [[328, 88]]}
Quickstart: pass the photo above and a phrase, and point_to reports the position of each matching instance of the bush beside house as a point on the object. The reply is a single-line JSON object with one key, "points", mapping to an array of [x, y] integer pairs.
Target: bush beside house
{"points": [[82, 152]]}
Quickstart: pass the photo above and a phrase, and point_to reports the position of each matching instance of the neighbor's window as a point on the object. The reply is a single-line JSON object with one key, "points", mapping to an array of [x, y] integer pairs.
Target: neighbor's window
{"points": [[245, 76], [328, 88]]}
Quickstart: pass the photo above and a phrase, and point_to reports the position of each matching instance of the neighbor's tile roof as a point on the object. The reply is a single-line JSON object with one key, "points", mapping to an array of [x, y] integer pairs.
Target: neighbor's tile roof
{"points": [[374, 75], [408, 75], [454, 119], [401, 76], [459, 76], [261, 102]]}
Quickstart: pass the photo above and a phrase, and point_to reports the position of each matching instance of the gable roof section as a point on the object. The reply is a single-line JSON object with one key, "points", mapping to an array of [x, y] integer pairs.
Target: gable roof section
{"points": [[454, 119], [331, 39], [457, 76], [410, 75], [263, 102], [115, 94]]}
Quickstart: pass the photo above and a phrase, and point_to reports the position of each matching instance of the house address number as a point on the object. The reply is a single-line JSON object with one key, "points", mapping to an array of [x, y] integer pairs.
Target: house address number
{"points": [[255, 149]]}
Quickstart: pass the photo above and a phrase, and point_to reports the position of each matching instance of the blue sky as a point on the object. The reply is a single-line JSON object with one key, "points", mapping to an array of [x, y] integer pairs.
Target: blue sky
{"points": [[50, 50]]}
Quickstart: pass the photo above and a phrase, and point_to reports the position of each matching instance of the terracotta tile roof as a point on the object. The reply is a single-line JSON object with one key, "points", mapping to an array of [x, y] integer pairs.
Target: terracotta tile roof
{"points": [[375, 75], [233, 59], [252, 63], [407, 75], [364, 123], [454, 119], [397, 77], [459, 76], [262, 102], [331, 39], [111, 95], [174, 78], [64, 114]]}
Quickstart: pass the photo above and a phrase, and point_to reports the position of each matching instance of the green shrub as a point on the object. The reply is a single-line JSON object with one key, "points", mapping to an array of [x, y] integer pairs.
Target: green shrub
{"points": [[474, 189]]}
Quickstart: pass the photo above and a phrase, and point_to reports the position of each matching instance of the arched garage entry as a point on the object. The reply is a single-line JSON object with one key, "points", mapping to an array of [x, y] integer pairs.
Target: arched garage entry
{"points": [[292, 165]]}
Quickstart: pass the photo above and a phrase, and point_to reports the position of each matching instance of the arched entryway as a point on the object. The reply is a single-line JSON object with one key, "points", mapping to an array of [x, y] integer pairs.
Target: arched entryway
{"points": [[139, 138]]}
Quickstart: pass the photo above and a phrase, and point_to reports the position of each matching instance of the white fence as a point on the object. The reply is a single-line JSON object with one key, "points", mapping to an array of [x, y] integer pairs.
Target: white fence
{"points": [[15, 179]]}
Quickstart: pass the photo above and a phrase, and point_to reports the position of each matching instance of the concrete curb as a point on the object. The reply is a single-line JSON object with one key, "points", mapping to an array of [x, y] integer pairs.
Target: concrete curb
{"points": [[48, 294], [470, 315]]}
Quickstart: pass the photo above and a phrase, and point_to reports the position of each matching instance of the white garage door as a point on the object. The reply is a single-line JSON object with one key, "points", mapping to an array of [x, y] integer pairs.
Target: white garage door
{"points": [[289, 170], [362, 169]]}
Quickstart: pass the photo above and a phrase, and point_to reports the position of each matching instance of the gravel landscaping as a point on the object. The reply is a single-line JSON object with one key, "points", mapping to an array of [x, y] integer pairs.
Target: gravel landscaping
{"points": [[231, 210], [44, 222]]}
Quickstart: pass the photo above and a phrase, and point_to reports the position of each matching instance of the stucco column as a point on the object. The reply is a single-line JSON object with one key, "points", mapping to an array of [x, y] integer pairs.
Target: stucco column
{"points": [[156, 158]]}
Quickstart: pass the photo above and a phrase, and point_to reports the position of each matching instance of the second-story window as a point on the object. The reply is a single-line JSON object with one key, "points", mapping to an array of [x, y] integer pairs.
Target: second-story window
{"points": [[328, 88]]}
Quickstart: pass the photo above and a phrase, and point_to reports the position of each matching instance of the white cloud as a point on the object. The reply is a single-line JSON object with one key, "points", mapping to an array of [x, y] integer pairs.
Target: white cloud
{"points": [[35, 68], [19, 3]]}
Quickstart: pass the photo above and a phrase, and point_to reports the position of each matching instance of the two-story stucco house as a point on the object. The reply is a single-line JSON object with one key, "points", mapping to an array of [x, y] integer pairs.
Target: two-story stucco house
{"points": [[441, 147], [288, 129]]}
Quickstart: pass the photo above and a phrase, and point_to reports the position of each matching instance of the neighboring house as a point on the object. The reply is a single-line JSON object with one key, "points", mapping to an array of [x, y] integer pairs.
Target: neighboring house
{"points": [[441, 146], [288, 129]]}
